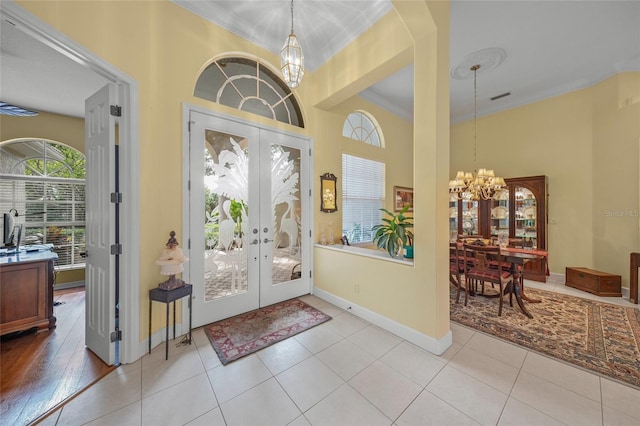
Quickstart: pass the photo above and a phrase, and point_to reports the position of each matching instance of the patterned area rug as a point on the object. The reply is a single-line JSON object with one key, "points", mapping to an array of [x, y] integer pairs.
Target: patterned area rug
{"points": [[244, 334], [599, 337]]}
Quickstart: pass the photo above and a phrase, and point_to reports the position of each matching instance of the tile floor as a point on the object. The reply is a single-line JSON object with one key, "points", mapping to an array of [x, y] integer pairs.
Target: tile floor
{"points": [[350, 372]]}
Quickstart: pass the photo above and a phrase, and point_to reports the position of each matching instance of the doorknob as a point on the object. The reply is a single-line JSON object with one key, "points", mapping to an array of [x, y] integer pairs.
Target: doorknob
{"points": [[266, 240], [254, 242]]}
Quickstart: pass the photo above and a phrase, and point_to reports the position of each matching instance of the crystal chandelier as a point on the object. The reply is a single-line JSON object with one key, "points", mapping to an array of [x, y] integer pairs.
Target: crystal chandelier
{"points": [[292, 59], [484, 184]]}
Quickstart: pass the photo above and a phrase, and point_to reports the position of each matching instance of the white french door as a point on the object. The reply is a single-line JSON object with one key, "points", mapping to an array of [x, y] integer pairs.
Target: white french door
{"points": [[249, 208], [100, 131]]}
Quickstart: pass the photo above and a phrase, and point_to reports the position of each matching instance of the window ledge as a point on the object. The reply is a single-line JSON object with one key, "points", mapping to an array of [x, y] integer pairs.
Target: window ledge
{"points": [[366, 252]]}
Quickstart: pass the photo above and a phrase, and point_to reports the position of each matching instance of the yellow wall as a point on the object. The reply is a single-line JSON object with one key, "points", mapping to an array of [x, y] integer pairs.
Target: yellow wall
{"points": [[164, 48], [53, 127], [416, 297], [586, 142], [45, 125]]}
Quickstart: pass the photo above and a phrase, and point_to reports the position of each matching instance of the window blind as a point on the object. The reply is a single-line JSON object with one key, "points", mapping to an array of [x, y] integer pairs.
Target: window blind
{"points": [[52, 211], [362, 197]]}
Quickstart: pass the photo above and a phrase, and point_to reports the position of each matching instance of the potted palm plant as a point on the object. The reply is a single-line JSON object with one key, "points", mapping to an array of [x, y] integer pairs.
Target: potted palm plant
{"points": [[394, 233]]}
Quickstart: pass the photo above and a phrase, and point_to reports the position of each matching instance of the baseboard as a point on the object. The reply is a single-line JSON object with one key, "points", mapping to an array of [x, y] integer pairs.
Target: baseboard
{"points": [[72, 284], [435, 346]]}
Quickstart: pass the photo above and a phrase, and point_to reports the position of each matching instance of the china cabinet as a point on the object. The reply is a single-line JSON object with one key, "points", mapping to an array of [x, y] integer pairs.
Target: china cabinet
{"points": [[519, 211]]}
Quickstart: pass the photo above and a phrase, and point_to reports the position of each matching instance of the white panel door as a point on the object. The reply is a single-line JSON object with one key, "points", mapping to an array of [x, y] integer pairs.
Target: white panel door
{"points": [[247, 217], [100, 183]]}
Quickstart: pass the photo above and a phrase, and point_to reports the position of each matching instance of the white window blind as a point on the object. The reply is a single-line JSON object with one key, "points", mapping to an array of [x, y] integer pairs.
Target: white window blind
{"points": [[362, 197], [44, 182], [52, 211]]}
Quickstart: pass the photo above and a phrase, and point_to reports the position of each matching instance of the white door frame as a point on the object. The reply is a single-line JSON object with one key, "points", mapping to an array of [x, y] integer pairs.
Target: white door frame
{"points": [[130, 347], [306, 243]]}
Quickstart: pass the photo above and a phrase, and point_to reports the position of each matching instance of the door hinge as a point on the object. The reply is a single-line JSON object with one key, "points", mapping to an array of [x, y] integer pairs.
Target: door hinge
{"points": [[309, 274], [309, 233], [309, 152], [309, 193], [116, 249], [189, 185], [116, 335], [116, 110], [116, 197], [189, 243]]}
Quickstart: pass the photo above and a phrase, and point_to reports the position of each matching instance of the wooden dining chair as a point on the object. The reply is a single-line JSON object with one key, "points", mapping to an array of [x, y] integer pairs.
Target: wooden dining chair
{"points": [[456, 269], [486, 264]]}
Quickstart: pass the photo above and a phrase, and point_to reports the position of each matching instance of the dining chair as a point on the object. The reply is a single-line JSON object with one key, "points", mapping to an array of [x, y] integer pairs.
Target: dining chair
{"points": [[486, 264], [456, 269]]}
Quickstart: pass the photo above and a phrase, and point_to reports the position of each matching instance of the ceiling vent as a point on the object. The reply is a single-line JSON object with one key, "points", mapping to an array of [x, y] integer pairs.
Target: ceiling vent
{"points": [[501, 96]]}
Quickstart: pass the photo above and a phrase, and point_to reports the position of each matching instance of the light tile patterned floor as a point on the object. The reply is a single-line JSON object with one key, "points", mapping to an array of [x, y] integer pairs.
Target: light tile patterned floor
{"points": [[349, 372]]}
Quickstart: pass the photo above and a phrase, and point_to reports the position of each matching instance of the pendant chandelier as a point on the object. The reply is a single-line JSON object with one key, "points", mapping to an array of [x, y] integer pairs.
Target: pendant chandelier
{"points": [[292, 59], [484, 184]]}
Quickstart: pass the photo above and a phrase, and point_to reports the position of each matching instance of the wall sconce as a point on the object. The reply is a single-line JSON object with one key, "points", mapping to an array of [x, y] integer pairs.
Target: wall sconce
{"points": [[328, 193]]}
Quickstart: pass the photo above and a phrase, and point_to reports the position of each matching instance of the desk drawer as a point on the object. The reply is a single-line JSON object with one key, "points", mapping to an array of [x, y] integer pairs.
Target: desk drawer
{"points": [[596, 282]]}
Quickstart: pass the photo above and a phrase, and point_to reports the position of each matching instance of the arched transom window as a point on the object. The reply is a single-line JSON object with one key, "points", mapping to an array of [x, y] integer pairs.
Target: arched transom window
{"points": [[248, 85], [362, 127]]}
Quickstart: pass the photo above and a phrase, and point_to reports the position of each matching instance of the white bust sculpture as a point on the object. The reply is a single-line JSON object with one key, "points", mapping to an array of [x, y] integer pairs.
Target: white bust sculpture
{"points": [[170, 261]]}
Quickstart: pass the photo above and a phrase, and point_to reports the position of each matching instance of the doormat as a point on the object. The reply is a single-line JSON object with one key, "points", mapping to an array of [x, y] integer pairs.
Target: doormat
{"points": [[247, 333], [600, 337]]}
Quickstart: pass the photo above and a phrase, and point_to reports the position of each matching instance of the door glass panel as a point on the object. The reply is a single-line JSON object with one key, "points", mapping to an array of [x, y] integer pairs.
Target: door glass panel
{"points": [[500, 215], [526, 211], [286, 213], [453, 217], [469, 217], [226, 215]]}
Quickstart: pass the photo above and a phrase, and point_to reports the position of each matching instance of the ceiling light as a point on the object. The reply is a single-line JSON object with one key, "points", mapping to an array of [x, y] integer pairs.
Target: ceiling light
{"points": [[292, 59], [484, 184]]}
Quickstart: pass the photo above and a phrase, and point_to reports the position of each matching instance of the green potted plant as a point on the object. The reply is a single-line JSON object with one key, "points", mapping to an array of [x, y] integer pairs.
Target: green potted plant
{"points": [[394, 233]]}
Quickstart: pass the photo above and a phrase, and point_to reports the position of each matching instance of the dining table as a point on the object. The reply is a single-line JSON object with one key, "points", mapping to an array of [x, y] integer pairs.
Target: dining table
{"points": [[518, 258]]}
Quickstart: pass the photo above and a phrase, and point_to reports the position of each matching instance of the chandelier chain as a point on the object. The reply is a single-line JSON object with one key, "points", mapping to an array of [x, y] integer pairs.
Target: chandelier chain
{"points": [[475, 116], [291, 16]]}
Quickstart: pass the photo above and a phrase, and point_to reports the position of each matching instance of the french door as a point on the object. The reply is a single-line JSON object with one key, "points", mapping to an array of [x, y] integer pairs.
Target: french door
{"points": [[249, 216]]}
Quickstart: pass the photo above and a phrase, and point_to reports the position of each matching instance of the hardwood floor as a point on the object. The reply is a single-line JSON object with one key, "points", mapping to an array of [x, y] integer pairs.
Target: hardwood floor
{"points": [[41, 370]]}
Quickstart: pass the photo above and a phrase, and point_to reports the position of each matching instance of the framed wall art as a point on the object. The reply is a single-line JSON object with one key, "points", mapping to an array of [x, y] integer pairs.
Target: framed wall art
{"points": [[402, 197], [328, 203]]}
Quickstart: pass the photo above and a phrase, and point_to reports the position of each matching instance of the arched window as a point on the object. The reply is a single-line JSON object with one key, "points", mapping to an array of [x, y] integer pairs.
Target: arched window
{"points": [[363, 180], [362, 127], [44, 182], [248, 85]]}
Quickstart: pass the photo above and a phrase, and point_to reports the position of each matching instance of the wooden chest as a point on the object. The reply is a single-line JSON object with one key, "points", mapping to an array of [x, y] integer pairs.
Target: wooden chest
{"points": [[596, 282]]}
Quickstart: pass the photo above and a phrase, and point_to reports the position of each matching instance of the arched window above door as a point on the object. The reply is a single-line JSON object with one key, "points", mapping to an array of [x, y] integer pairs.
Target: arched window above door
{"points": [[248, 85]]}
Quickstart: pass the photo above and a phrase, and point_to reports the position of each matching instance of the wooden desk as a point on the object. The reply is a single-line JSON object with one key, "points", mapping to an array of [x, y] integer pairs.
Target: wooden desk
{"points": [[26, 291]]}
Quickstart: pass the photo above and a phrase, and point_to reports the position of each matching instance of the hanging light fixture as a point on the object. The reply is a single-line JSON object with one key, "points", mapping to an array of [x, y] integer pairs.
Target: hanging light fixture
{"points": [[292, 59], [484, 184]]}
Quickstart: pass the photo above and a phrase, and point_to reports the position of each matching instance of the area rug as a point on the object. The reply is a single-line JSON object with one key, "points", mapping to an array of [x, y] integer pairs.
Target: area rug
{"points": [[600, 337], [244, 334]]}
